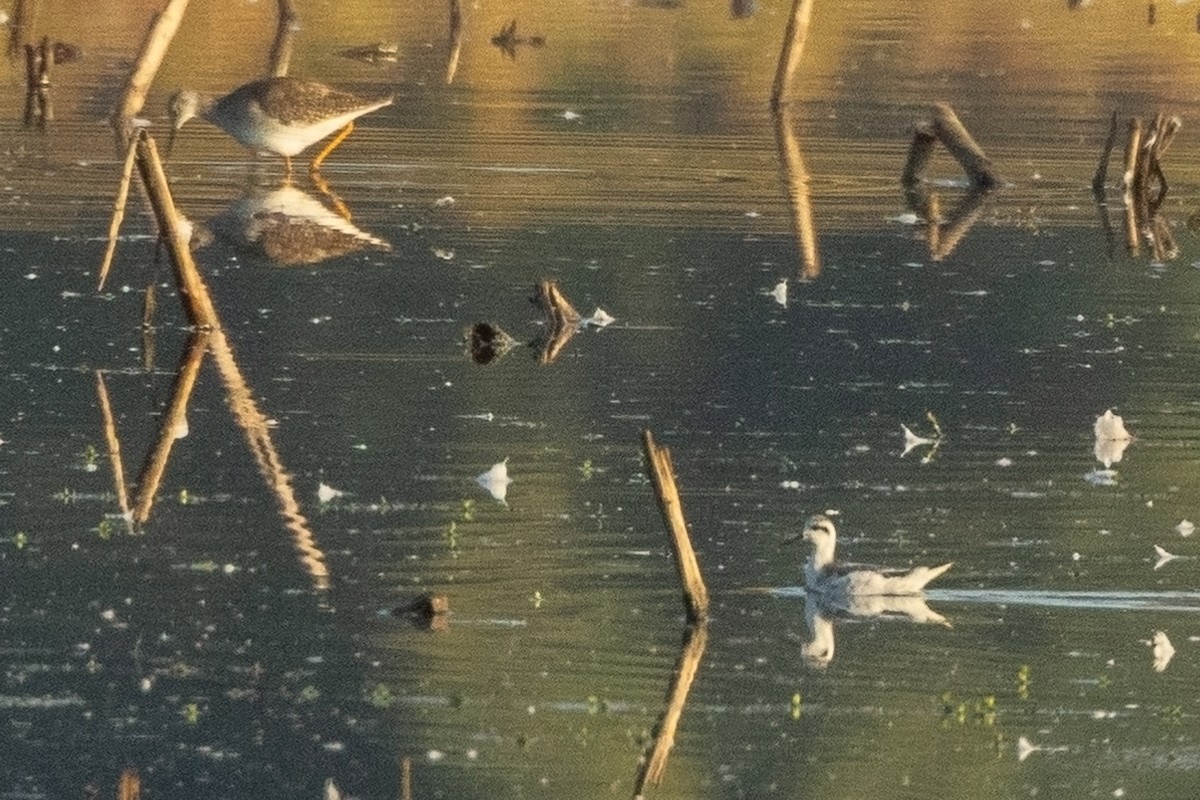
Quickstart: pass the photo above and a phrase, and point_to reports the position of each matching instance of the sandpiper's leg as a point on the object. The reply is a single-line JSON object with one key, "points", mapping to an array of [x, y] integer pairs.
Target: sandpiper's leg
{"points": [[329, 148], [339, 207], [287, 163]]}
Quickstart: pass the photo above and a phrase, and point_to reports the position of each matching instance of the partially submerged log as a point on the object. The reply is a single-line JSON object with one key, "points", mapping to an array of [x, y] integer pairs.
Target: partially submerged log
{"points": [[947, 128]]}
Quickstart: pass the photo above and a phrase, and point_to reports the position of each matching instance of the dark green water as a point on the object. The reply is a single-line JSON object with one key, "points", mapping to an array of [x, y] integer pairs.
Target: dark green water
{"points": [[201, 650]]}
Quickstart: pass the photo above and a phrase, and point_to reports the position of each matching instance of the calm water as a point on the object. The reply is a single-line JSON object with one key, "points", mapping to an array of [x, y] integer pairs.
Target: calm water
{"points": [[633, 159]]}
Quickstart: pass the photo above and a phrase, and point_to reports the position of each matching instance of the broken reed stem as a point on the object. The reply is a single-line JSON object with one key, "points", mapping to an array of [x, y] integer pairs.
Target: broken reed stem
{"points": [[1105, 154], [154, 47], [129, 787], [954, 135], [192, 290], [456, 40], [280, 59], [406, 778], [961, 220], [664, 738], [793, 48], [113, 442], [118, 213], [1133, 146], [662, 474], [919, 153], [562, 319]]}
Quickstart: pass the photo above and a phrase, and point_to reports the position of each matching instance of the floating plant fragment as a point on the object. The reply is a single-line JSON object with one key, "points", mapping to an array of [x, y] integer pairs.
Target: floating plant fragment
{"points": [[326, 493], [1111, 438], [1161, 647], [599, 319], [780, 293], [1163, 557], [912, 440], [496, 480], [1026, 747]]}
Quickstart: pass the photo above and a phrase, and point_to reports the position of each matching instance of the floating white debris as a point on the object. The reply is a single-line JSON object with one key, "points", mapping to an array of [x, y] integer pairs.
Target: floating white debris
{"points": [[571, 116], [912, 440], [331, 790], [442, 202], [1111, 438], [1163, 652], [444, 255], [1163, 557], [1004, 462], [326, 493], [496, 480], [1026, 747], [780, 293], [1184, 528], [599, 319]]}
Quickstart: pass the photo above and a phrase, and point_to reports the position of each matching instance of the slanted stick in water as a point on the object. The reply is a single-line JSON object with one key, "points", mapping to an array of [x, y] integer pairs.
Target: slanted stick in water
{"points": [[662, 475]]}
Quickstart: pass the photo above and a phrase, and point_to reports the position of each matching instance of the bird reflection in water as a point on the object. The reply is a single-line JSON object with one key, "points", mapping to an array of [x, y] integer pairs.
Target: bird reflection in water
{"points": [[820, 614], [290, 227]]}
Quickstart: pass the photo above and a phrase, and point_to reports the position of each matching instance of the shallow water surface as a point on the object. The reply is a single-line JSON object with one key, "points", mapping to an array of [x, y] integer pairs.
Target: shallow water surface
{"points": [[251, 638]]}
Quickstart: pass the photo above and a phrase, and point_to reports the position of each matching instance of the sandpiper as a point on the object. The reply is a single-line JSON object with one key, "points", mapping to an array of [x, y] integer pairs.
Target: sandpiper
{"points": [[282, 115]]}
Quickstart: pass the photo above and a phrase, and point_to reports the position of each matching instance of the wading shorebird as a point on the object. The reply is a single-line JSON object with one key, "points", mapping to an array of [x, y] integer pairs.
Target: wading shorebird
{"points": [[823, 576], [282, 115]]}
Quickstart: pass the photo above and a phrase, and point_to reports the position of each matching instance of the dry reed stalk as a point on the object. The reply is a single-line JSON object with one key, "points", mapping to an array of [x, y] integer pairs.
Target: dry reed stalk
{"points": [[1133, 146], [173, 421], [799, 192], [793, 48], [919, 153], [118, 213], [1105, 155], [154, 47], [113, 442], [129, 787], [192, 290], [456, 40], [280, 59], [970, 156], [664, 739], [562, 319], [662, 475]]}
